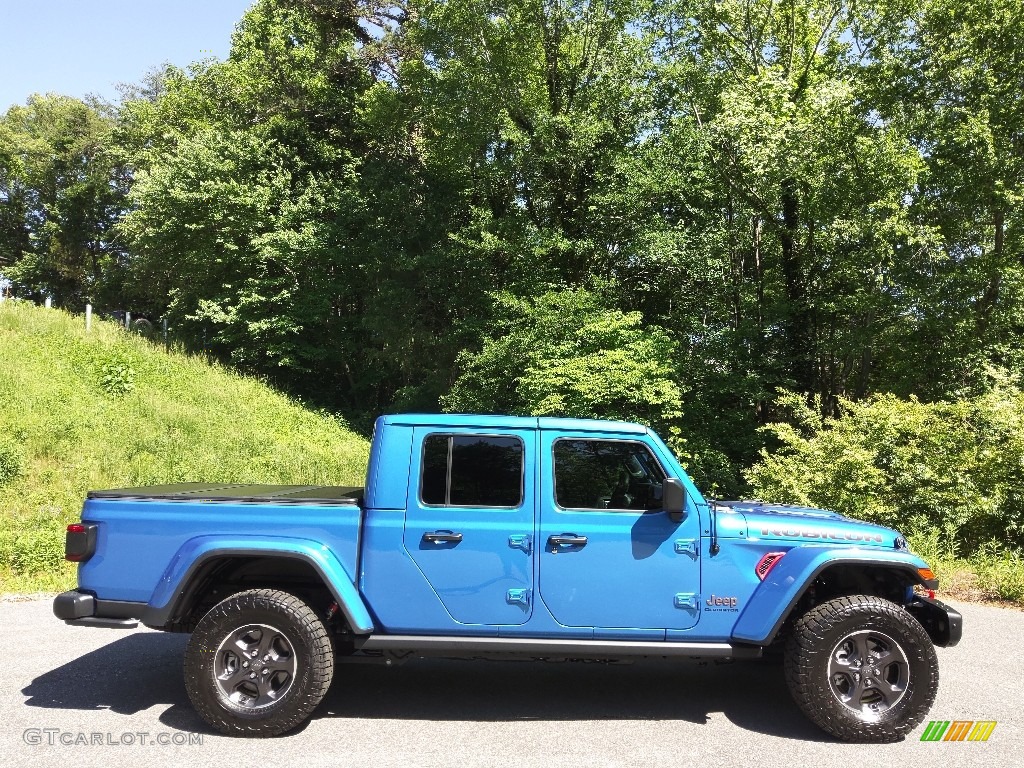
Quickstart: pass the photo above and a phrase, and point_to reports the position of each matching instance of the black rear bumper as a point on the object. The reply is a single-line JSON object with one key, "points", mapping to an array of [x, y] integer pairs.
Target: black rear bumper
{"points": [[84, 610], [945, 625]]}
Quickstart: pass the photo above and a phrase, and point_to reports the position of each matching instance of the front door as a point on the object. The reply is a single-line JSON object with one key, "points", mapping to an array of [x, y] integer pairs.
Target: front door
{"points": [[470, 519], [610, 557]]}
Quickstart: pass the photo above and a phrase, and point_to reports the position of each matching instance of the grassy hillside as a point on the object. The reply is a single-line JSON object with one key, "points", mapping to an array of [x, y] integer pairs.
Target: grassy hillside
{"points": [[107, 409]]}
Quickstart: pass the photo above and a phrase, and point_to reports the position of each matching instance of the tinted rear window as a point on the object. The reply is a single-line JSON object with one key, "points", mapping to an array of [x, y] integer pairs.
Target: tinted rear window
{"points": [[472, 471]]}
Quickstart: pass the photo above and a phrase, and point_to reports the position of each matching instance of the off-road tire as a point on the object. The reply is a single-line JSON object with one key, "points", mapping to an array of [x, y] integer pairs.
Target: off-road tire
{"points": [[900, 677], [293, 666]]}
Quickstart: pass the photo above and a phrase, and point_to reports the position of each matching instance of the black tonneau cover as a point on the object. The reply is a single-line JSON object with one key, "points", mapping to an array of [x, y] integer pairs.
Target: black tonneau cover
{"points": [[250, 494]]}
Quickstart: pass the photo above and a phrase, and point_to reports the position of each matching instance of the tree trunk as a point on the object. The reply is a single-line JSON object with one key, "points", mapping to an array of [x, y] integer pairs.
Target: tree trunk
{"points": [[987, 303], [797, 320]]}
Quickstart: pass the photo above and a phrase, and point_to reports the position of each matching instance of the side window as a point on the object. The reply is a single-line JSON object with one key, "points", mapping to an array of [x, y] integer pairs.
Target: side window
{"points": [[434, 485], [606, 474], [472, 471]]}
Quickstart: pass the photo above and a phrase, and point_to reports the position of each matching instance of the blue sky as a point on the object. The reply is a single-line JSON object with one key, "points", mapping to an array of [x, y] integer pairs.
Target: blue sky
{"points": [[77, 47]]}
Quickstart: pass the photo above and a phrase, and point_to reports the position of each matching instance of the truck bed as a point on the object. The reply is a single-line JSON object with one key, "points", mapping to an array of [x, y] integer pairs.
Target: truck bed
{"points": [[333, 495]]}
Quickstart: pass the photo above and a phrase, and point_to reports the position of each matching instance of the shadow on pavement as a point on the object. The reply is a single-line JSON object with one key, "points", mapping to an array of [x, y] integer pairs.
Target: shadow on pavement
{"points": [[143, 670], [127, 676], [752, 695]]}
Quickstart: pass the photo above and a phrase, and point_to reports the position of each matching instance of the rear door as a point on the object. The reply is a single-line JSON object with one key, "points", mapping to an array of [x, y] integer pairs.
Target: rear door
{"points": [[610, 556], [470, 520]]}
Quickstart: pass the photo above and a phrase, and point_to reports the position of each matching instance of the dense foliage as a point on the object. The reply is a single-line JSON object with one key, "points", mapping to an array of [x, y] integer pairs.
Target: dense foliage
{"points": [[655, 209], [952, 468]]}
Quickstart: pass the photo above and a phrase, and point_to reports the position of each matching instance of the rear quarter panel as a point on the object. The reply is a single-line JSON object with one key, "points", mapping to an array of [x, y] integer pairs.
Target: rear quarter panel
{"points": [[137, 540]]}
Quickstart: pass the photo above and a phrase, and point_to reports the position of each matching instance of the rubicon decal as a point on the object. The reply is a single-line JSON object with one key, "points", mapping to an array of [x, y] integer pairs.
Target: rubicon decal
{"points": [[958, 730], [804, 533]]}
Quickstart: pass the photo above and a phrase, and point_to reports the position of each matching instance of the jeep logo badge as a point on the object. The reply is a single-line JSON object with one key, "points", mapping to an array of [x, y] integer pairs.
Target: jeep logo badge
{"points": [[722, 602]]}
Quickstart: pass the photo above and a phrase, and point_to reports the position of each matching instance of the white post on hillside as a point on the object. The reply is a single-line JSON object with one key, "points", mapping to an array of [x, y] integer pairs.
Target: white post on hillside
{"points": [[88, 317], [49, 302], [127, 319]]}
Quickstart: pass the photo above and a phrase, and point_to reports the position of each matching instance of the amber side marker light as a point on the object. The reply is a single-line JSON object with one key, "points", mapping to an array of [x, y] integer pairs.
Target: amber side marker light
{"points": [[931, 583]]}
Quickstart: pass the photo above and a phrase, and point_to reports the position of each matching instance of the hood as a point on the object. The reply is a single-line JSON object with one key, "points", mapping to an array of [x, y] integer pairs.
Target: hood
{"points": [[807, 524]]}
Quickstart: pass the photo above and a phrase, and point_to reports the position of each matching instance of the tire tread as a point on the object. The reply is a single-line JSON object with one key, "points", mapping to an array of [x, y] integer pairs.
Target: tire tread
{"points": [[811, 642], [315, 679]]}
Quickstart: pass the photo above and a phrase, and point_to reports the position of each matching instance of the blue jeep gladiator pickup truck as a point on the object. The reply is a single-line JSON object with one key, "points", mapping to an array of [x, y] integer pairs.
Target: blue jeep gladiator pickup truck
{"points": [[479, 535]]}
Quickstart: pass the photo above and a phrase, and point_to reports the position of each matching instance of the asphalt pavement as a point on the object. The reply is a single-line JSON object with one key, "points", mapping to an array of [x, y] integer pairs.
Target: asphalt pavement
{"points": [[103, 697]]}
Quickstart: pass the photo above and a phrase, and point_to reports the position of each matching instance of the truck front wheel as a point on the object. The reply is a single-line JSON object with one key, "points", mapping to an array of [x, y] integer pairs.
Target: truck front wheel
{"points": [[258, 663], [862, 669]]}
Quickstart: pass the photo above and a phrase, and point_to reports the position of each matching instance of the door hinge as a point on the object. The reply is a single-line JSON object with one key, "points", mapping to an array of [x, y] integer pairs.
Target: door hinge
{"points": [[686, 600], [521, 541], [520, 596], [687, 547]]}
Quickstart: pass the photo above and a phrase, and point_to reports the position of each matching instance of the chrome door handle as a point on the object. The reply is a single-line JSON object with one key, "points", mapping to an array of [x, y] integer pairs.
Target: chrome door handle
{"points": [[567, 540], [440, 537]]}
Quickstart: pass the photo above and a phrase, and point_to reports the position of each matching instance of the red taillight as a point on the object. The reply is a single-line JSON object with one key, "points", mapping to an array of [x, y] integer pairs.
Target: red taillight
{"points": [[79, 542], [765, 564]]}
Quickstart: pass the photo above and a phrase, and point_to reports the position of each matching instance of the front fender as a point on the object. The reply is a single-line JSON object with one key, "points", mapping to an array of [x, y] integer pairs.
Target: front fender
{"points": [[773, 600], [194, 553]]}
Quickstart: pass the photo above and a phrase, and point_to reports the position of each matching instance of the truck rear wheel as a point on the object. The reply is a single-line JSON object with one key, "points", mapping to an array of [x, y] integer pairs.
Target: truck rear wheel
{"points": [[862, 669], [258, 663]]}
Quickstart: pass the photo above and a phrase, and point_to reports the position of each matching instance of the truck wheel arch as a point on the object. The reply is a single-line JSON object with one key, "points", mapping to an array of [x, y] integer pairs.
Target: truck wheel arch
{"points": [[181, 589], [781, 594]]}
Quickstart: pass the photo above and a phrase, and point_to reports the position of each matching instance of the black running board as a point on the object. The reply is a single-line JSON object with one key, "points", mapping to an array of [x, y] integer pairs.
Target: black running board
{"points": [[531, 646]]}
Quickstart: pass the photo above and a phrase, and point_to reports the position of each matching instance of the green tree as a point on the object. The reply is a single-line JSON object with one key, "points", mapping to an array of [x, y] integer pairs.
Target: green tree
{"points": [[62, 192], [513, 127], [950, 76], [808, 185], [564, 353], [245, 200]]}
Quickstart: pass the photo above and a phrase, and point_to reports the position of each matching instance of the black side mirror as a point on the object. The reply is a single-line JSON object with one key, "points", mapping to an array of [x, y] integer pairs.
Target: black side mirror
{"points": [[673, 498]]}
